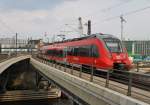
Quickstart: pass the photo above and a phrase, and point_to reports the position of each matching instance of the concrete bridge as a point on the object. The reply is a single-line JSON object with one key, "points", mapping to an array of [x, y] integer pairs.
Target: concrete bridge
{"points": [[81, 91]]}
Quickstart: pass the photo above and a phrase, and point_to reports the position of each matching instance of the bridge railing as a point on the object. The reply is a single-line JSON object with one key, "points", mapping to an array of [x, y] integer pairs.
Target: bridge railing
{"points": [[125, 82]]}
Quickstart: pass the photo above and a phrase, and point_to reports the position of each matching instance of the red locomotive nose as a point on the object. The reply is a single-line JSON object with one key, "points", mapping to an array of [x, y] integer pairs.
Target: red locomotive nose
{"points": [[121, 60], [118, 57]]}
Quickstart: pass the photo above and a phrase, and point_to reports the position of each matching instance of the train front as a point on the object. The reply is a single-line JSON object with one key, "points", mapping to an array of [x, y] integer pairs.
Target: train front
{"points": [[118, 53]]}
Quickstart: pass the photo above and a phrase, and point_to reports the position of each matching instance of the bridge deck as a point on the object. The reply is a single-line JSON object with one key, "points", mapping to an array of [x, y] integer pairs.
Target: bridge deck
{"points": [[90, 92]]}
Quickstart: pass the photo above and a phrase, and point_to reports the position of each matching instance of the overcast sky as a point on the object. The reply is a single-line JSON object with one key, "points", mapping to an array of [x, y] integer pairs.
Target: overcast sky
{"points": [[35, 17]]}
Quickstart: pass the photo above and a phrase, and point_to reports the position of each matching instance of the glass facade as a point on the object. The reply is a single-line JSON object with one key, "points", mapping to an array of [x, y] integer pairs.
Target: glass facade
{"points": [[138, 47]]}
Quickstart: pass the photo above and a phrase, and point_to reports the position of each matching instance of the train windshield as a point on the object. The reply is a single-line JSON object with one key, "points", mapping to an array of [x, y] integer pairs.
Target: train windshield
{"points": [[113, 45]]}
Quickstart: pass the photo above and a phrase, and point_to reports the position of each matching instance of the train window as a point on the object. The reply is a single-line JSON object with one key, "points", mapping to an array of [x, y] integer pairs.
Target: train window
{"points": [[84, 51], [113, 45], [54, 53], [57, 53], [75, 52], [48, 52], [60, 53]]}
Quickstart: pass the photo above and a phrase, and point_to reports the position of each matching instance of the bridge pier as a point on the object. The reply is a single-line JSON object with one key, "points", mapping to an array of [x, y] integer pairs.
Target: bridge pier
{"points": [[4, 80], [37, 80]]}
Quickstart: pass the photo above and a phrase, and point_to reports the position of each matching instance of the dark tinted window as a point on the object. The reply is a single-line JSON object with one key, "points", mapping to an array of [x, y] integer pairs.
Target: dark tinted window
{"points": [[49, 52], [84, 51], [75, 51], [58, 53]]}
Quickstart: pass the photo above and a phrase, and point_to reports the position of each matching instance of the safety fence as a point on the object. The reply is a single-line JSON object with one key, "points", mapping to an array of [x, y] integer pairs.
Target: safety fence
{"points": [[131, 84]]}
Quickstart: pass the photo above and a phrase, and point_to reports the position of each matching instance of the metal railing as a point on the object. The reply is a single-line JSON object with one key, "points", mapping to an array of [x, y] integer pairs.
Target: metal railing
{"points": [[123, 82]]}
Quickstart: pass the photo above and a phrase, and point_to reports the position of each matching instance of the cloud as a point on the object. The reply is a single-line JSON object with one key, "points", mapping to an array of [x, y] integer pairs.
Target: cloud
{"points": [[35, 17], [28, 4]]}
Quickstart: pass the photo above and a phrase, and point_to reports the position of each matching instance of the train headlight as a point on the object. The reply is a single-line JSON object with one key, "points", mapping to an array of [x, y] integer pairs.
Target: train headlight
{"points": [[118, 57]]}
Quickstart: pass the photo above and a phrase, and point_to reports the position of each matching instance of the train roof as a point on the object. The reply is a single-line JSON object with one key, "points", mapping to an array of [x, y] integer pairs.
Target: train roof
{"points": [[98, 35]]}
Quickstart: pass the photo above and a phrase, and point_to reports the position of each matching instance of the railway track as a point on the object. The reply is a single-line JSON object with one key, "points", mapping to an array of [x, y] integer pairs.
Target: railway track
{"points": [[141, 81]]}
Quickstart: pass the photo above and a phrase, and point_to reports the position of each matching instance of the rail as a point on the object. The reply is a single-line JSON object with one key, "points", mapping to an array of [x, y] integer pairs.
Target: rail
{"points": [[127, 85], [142, 64]]}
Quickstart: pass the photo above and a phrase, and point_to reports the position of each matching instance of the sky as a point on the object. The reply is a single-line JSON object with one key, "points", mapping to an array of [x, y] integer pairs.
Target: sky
{"points": [[48, 18]]}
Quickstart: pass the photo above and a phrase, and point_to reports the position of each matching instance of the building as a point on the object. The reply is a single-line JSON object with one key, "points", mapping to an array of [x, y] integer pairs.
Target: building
{"points": [[138, 47], [11, 43], [33, 45], [22, 45]]}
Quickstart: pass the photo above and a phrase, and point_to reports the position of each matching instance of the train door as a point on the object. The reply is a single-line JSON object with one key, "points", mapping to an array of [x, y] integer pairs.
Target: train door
{"points": [[94, 55], [65, 55]]}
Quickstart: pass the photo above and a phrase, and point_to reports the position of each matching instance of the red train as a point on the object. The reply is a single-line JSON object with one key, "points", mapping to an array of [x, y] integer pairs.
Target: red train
{"points": [[101, 51]]}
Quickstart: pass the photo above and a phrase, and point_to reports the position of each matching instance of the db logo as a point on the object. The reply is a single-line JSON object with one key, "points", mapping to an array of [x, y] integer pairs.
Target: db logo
{"points": [[117, 57]]}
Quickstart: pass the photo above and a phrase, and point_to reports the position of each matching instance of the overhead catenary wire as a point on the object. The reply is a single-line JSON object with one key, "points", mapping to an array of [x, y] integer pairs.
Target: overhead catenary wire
{"points": [[106, 9], [109, 8], [122, 19], [126, 14], [116, 5]]}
